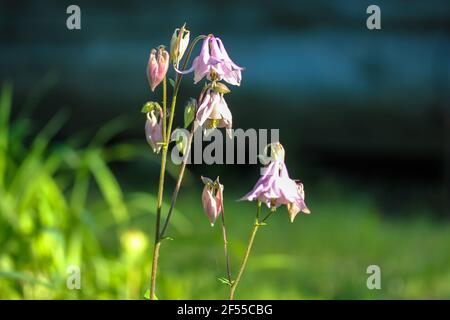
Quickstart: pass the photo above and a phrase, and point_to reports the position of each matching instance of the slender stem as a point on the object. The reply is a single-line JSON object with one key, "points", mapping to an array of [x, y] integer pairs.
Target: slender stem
{"points": [[158, 223], [225, 245], [159, 199], [181, 174], [247, 253], [154, 269], [267, 216], [167, 134], [178, 184], [164, 125]]}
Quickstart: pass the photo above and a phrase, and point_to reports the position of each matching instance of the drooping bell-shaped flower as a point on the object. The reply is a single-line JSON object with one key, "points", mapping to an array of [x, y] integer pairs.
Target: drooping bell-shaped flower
{"points": [[158, 64], [276, 188], [179, 44], [214, 63], [213, 112], [153, 130], [212, 199]]}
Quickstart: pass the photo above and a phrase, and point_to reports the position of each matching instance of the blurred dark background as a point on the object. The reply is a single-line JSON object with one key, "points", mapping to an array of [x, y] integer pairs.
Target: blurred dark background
{"points": [[367, 110]]}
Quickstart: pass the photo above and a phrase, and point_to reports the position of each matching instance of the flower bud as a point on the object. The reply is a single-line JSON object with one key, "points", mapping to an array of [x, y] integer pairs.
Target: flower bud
{"points": [[153, 130], [212, 199], [179, 44], [157, 67]]}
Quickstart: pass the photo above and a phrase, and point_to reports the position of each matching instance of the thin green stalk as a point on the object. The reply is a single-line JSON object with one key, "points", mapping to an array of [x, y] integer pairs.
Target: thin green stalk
{"points": [[181, 174], [167, 134], [164, 110], [268, 215], [247, 252], [160, 198], [178, 184], [225, 246]]}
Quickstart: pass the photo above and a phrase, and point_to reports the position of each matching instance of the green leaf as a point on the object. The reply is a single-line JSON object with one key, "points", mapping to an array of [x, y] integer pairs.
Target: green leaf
{"points": [[149, 106], [172, 82], [189, 111], [166, 238], [180, 136], [224, 281], [24, 277], [108, 185], [110, 130]]}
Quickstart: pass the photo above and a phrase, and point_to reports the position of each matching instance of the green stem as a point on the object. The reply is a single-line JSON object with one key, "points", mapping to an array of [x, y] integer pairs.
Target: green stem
{"points": [[181, 174], [178, 184], [225, 245], [164, 110], [247, 252], [158, 223], [268, 216], [167, 134], [159, 199]]}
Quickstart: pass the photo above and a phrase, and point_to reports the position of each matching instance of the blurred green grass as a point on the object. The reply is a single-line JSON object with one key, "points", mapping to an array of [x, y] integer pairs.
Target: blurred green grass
{"points": [[321, 256], [61, 205]]}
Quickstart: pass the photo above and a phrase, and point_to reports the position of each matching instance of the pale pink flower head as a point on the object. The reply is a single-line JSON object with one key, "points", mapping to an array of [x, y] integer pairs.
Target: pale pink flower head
{"points": [[214, 63], [158, 64], [212, 199], [153, 130], [276, 188], [213, 112]]}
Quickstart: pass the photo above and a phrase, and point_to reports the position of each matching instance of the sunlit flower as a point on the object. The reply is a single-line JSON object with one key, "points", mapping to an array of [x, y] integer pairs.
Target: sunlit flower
{"points": [[212, 199], [153, 130], [157, 67], [276, 188], [213, 112], [214, 63]]}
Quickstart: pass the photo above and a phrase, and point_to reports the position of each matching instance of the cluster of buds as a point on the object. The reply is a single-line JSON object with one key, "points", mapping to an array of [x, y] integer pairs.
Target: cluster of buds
{"points": [[157, 67], [213, 63]]}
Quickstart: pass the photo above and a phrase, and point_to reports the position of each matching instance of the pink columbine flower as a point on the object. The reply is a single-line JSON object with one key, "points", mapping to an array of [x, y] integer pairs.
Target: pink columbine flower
{"points": [[157, 67], [212, 199], [213, 112], [153, 130], [276, 188], [214, 63]]}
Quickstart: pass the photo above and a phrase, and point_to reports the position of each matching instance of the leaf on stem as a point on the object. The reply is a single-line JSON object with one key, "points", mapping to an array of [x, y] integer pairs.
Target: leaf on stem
{"points": [[189, 111], [172, 82], [225, 281], [149, 106]]}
